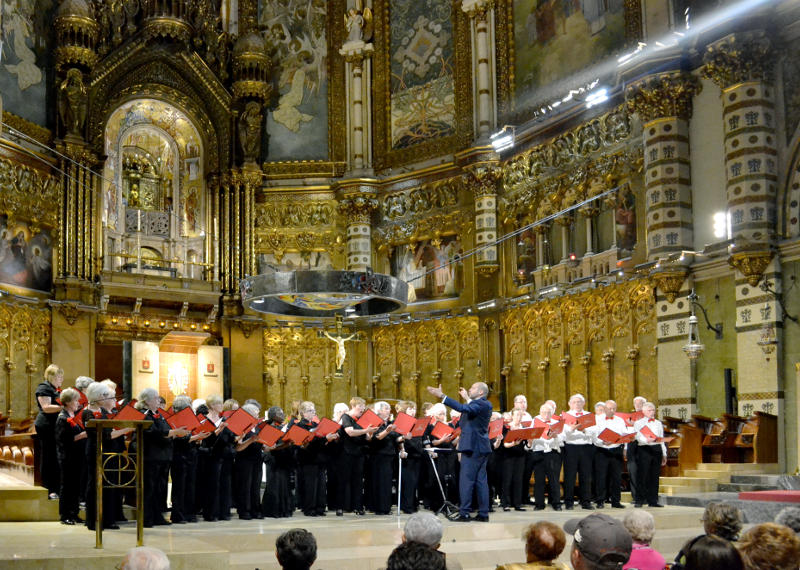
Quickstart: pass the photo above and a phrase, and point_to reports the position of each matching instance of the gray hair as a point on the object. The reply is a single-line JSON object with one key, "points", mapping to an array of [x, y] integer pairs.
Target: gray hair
{"points": [[381, 405], [97, 391], [425, 528], [254, 402], [213, 399], [579, 397], [436, 409], [789, 516], [148, 394], [640, 525], [146, 558], [252, 409], [181, 402], [82, 382], [110, 383]]}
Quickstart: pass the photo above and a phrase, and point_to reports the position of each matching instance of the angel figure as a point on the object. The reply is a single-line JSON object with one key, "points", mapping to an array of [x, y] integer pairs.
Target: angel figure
{"points": [[341, 352], [358, 23]]}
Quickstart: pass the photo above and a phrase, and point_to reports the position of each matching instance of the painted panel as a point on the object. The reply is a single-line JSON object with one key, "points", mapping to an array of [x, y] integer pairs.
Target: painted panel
{"points": [[316, 260], [422, 82], [25, 26], [26, 255], [430, 267], [298, 126], [554, 39]]}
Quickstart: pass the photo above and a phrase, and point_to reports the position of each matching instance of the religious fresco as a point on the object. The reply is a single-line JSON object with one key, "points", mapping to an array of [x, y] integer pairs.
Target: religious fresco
{"points": [[298, 125], [422, 85], [554, 39], [625, 221], [25, 29], [26, 255], [430, 267], [315, 261]]}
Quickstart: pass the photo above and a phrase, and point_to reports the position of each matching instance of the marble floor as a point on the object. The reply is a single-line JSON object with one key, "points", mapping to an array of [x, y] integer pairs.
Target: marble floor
{"points": [[343, 542]]}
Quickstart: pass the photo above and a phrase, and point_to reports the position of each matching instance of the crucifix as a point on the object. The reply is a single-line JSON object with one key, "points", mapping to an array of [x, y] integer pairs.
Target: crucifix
{"points": [[339, 338]]}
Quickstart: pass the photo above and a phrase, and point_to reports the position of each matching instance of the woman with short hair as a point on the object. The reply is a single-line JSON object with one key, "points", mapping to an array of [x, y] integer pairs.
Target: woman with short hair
{"points": [[642, 527], [713, 553], [47, 394], [770, 545], [70, 439], [277, 500]]}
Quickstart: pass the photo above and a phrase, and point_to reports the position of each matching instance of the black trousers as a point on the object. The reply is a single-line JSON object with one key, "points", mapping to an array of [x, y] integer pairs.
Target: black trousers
{"points": [[49, 463], [513, 467], [351, 482], [546, 466], [248, 486], [225, 488], [608, 474], [527, 471], [69, 494], [312, 476], [409, 484], [382, 473], [578, 461], [633, 469], [211, 476], [155, 476], [183, 473], [648, 463]]}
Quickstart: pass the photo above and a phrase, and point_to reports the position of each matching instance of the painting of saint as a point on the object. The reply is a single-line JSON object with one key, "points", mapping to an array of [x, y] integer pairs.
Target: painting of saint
{"points": [[25, 258], [554, 39], [430, 267], [625, 221], [526, 255]]}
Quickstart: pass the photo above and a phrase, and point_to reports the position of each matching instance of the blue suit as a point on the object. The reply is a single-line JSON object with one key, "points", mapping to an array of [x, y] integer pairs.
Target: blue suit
{"points": [[475, 450]]}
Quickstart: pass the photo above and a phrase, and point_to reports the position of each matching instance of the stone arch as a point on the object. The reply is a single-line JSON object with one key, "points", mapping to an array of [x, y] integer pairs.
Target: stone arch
{"points": [[789, 198]]}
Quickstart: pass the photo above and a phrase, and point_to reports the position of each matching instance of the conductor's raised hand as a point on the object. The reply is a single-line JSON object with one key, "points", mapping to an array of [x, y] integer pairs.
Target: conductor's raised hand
{"points": [[436, 392], [463, 393]]}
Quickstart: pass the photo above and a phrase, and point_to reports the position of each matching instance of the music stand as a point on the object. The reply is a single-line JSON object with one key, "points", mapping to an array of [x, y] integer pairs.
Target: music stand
{"points": [[448, 509]]}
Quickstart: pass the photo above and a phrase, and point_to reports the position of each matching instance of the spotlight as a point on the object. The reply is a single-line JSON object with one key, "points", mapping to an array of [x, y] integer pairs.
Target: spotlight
{"points": [[128, 322], [206, 327], [162, 324], [174, 325], [114, 320], [147, 323], [193, 326]]}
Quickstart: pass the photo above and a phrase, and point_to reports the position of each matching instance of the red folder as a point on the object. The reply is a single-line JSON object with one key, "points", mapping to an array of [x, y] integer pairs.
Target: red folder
{"points": [[569, 419], [610, 436], [240, 422], [128, 413], [586, 421], [419, 427], [556, 429], [495, 428], [404, 423], [456, 433], [168, 413], [455, 420], [440, 430], [369, 419], [269, 435], [204, 425], [539, 423], [326, 427], [523, 434], [526, 423], [298, 436], [184, 419], [648, 433], [227, 413]]}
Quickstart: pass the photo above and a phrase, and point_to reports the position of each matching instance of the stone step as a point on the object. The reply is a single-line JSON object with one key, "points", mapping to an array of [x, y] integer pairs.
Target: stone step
{"points": [[771, 480], [743, 487], [26, 503], [720, 476], [741, 468]]}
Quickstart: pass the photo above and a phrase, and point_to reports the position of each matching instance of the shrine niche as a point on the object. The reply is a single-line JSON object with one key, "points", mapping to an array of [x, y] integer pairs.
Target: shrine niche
{"points": [[153, 207]]}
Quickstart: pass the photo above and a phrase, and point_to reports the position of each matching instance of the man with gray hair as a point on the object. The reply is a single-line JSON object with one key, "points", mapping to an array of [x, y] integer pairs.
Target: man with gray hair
{"points": [[578, 454], [630, 452], [145, 558], [426, 528]]}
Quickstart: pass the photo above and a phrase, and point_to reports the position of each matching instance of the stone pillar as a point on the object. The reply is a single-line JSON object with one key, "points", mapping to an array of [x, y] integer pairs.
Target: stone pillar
{"points": [[357, 204], [742, 64], [358, 79], [483, 180], [664, 104], [481, 15]]}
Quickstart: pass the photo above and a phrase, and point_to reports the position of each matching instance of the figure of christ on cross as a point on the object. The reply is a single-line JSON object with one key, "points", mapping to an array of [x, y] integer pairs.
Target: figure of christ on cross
{"points": [[339, 338]]}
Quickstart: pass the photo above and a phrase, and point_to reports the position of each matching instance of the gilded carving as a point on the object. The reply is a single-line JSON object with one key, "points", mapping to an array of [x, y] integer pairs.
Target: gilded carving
{"points": [[663, 95], [358, 208], [421, 200], [740, 57], [669, 282], [298, 214], [751, 264], [29, 194]]}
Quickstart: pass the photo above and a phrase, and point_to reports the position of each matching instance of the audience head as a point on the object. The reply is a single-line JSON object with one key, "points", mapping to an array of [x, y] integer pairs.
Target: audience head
{"points": [[722, 520], [770, 545], [789, 516], [425, 528], [181, 403], [638, 402], [544, 541], [521, 402], [415, 556], [713, 553], [296, 549], [611, 408], [577, 402], [145, 558], [640, 525], [82, 382], [600, 542], [54, 375]]}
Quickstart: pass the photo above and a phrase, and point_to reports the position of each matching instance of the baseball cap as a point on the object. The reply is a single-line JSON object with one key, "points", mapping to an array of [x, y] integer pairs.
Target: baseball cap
{"points": [[601, 539]]}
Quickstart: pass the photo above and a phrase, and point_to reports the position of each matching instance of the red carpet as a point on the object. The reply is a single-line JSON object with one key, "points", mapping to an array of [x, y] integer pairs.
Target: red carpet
{"points": [[772, 496]]}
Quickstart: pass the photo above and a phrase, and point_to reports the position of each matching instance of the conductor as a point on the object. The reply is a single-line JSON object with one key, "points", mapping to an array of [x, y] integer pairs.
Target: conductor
{"points": [[474, 447]]}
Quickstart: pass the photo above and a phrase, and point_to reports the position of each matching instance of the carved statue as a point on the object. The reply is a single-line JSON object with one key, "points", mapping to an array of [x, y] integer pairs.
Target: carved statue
{"points": [[341, 352], [358, 22], [250, 131], [72, 102]]}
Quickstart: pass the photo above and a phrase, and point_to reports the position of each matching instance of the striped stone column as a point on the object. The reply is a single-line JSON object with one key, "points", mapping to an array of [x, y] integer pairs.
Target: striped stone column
{"points": [[483, 181], [357, 209], [664, 104]]}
